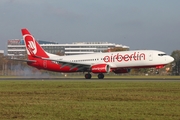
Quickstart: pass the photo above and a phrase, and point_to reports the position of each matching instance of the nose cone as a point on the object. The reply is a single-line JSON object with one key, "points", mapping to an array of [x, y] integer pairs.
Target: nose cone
{"points": [[170, 59]]}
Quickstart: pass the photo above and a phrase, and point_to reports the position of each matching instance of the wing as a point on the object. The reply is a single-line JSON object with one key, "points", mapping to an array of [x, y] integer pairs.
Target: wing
{"points": [[81, 66]]}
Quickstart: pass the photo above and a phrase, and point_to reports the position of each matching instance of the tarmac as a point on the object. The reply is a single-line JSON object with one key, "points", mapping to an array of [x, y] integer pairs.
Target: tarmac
{"points": [[116, 79]]}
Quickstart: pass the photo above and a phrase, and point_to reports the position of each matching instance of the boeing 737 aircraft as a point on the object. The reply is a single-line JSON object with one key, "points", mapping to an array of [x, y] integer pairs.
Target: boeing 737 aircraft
{"points": [[117, 62]]}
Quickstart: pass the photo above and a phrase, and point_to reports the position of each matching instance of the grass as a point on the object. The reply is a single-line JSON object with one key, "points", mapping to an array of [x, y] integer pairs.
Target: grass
{"points": [[89, 100]]}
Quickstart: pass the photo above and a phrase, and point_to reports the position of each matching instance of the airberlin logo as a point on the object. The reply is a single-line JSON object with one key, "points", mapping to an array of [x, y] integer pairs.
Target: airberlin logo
{"points": [[136, 56], [30, 44], [98, 68]]}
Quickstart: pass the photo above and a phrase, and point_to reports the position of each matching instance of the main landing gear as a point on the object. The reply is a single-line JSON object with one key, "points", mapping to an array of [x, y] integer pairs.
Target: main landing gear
{"points": [[88, 76], [101, 76]]}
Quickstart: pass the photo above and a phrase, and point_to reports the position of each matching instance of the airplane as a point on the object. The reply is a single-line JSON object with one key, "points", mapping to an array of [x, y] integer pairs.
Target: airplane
{"points": [[98, 63]]}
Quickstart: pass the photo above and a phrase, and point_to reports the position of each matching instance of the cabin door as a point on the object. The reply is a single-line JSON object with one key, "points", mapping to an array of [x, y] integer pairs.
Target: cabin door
{"points": [[45, 63], [150, 56]]}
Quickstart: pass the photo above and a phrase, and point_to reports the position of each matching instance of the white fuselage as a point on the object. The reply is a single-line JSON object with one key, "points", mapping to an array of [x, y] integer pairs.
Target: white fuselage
{"points": [[121, 59]]}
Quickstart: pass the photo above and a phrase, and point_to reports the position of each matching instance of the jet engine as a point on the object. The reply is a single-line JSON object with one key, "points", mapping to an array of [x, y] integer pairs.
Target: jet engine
{"points": [[121, 70], [100, 68]]}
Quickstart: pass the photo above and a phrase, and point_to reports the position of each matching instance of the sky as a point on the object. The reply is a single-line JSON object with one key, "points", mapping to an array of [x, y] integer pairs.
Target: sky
{"points": [[139, 24]]}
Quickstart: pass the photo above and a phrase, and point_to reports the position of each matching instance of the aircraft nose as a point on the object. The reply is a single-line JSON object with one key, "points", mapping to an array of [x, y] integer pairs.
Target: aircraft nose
{"points": [[170, 59]]}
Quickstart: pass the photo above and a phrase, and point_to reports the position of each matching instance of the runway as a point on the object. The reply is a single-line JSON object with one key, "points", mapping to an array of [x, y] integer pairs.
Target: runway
{"points": [[108, 78]]}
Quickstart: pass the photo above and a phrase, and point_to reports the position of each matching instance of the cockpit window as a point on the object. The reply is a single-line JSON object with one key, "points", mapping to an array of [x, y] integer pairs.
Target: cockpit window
{"points": [[161, 54]]}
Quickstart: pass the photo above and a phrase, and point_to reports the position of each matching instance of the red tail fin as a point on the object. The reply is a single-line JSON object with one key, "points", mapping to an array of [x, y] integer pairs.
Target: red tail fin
{"points": [[32, 46]]}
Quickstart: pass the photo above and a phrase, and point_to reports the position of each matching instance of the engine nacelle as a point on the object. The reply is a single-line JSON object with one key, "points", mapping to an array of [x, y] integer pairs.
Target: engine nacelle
{"points": [[159, 66], [121, 70], [100, 68]]}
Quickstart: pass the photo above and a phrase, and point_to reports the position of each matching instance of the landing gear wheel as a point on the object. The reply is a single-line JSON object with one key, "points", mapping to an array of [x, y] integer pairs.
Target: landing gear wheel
{"points": [[88, 76], [157, 72], [101, 76]]}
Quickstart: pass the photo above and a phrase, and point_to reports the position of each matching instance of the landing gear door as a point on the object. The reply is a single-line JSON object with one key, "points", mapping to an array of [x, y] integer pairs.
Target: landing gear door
{"points": [[150, 56]]}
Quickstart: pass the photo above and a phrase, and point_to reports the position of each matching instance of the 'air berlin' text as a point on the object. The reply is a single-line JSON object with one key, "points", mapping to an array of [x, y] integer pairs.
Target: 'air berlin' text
{"points": [[126, 57]]}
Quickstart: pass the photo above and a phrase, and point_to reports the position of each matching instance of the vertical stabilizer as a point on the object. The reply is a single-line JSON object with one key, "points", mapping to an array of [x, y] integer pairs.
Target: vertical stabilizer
{"points": [[32, 46]]}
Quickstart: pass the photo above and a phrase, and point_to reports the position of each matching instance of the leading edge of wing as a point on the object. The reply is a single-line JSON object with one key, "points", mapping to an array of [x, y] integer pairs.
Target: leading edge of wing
{"points": [[67, 63]]}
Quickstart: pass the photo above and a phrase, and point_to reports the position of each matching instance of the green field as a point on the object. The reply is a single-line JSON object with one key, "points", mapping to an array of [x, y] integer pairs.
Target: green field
{"points": [[89, 100]]}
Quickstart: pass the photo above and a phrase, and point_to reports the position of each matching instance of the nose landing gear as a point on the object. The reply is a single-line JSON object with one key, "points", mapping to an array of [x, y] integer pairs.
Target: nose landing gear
{"points": [[157, 71]]}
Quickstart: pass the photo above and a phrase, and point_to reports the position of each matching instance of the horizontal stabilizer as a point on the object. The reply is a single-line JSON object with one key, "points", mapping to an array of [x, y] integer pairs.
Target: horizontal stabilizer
{"points": [[23, 60]]}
